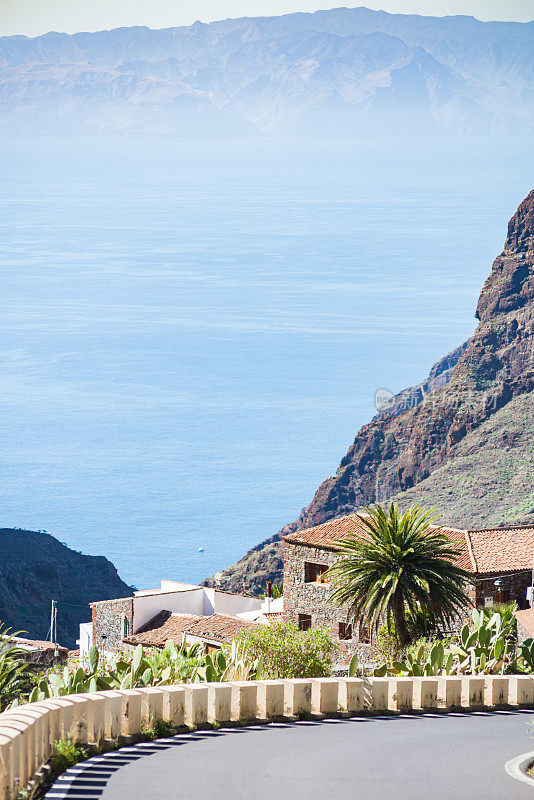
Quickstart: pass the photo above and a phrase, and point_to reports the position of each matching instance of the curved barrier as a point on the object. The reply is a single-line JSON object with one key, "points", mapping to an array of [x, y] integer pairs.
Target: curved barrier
{"points": [[28, 733]]}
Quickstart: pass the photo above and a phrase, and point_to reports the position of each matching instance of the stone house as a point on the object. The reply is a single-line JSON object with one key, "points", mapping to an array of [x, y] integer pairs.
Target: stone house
{"points": [[499, 559], [43, 653], [150, 617]]}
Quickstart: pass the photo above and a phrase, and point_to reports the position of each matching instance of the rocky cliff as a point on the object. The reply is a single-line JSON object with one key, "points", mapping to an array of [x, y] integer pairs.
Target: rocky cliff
{"points": [[35, 569], [463, 441]]}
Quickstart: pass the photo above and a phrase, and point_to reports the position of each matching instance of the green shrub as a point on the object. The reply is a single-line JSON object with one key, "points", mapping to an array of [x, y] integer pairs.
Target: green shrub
{"points": [[66, 754], [160, 729], [17, 676], [286, 652], [487, 645]]}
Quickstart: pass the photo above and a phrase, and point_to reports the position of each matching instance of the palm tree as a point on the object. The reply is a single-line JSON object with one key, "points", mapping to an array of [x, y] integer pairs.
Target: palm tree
{"points": [[398, 562]]}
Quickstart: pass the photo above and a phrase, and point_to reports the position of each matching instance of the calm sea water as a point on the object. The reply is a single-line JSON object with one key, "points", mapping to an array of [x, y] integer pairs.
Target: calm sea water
{"points": [[191, 334]]}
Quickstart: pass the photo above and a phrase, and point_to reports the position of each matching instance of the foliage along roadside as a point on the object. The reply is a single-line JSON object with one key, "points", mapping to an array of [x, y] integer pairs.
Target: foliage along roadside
{"points": [[17, 676], [154, 668], [486, 647]]}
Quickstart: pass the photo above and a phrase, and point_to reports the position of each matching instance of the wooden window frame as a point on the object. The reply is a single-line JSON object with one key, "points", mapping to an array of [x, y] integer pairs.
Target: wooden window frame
{"points": [[304, 622], [313, 572], [345, 631]]}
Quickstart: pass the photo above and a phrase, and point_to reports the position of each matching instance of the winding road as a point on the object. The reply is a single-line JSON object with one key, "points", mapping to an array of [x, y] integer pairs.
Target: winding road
{"points": [[409, 757]]}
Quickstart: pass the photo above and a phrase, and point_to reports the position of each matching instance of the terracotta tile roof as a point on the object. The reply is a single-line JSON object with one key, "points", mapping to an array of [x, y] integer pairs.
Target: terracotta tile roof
{"points": [[502, 549], [525, 618], [483, 551], [167, 625], [38, 644]]}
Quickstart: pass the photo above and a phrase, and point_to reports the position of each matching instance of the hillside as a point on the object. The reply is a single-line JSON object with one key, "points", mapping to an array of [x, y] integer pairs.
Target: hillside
{"points": [[465, 442], [35, 569], [342, 72]]}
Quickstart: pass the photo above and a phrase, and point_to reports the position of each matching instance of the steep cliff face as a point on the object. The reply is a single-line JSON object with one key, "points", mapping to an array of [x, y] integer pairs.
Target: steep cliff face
{"points": [[400, 454], [35, 569]]}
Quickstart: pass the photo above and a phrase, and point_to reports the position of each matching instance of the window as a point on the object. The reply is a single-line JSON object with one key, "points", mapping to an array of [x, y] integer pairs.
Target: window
{"points": [[364, 635], [313, 573], [345, 631], [125, 626], [502, 595], [304, 622]]}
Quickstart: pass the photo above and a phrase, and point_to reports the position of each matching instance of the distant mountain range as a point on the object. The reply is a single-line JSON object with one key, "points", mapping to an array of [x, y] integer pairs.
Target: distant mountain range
{"points": [[343, 72]]}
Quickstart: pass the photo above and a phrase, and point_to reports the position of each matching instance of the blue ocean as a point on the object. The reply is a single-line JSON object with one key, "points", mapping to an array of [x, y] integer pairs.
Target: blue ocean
{"points": [[193, 332]]}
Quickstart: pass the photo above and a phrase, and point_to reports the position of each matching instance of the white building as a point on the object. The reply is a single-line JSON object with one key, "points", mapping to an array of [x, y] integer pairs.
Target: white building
{"points": [[153, 616]]}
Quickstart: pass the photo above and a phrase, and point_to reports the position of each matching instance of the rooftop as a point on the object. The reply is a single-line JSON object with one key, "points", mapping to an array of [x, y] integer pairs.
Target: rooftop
{"points": [[482, 551], [167, 625], [525, 618]]}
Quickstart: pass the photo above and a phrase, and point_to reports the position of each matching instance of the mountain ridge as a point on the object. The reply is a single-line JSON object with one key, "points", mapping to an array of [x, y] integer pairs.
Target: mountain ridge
{"points": [[465, 445], [339, 72], [36, 568]]}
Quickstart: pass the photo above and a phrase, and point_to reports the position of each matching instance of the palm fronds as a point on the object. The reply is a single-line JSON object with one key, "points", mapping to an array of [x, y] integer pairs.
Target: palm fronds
{"points": [[398, 561]]}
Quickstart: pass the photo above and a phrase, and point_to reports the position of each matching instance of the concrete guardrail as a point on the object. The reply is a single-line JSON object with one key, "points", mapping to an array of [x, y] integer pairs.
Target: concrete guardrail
{"points": [[28, 733]]}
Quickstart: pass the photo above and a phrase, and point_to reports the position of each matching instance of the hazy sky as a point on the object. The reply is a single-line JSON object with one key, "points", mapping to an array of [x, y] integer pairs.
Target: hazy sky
{"points": [[33, 17]]}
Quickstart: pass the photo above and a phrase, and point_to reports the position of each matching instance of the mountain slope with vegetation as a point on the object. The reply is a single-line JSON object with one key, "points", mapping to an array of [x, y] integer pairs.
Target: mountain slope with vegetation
{"points": [[342, 72], [466, 446], [35, 568]]}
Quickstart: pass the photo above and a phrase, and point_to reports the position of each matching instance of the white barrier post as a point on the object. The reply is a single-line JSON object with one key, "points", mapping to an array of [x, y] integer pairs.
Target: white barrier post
{"points": [[350, 695], [400, 694], [151, 705], [174, 704], [9, 764], [521, 690], [20, 731], [376, 691], [130, 712], [112, 713], [496, 691], [196, 704], [297, 696], [38, 727], [425, 693], [219, 702], [244, 700], [80, 711], [53, 704], [26, 734], [96, 718], [472, 693], [324, 696], [270, 699], [450, 692]]}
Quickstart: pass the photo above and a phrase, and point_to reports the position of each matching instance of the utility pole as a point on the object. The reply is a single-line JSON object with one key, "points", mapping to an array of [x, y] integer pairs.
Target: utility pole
{"points": [[52, 615], [56, 648]]}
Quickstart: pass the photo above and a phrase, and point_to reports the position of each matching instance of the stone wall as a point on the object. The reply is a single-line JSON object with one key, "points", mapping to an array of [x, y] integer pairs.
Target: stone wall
{"points": [[514, 589], [311, 598], [28, 733], [107, 621]]}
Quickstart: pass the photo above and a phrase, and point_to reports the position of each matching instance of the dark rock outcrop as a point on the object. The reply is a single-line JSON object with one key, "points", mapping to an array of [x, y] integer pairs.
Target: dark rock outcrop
{"points": [[397, 452], [35, 569]]}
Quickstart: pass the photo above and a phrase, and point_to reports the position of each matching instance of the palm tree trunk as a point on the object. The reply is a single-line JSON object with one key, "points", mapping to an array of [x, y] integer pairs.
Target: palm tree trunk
{"points": [[400, 622]]}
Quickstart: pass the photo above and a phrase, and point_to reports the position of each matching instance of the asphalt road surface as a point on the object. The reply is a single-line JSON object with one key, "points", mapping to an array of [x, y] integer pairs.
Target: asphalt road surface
{"points": [[430, 757]]}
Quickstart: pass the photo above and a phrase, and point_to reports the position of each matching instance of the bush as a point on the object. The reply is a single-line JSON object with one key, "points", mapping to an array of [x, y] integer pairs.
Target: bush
{"points": [[66, 754], [286, 652]]}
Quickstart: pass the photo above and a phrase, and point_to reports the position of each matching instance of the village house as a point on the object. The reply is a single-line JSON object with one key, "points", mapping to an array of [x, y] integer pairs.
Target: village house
{"points": [[42, 653], [151, 617], [499, 559]]}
